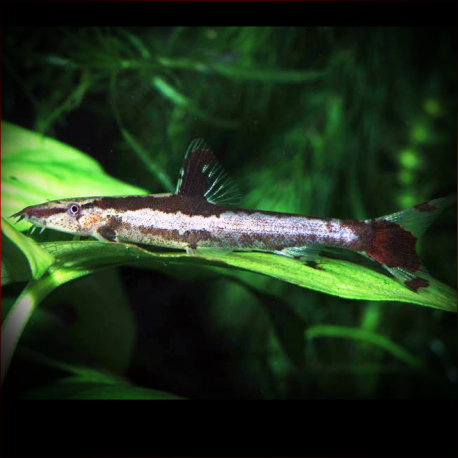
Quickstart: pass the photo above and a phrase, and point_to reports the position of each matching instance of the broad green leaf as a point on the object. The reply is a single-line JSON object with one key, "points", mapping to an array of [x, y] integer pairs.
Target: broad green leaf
{"points": [[366, 336], [36, 168], [89, 321], [112, 352], [17, 246], [22, 144], [336, 277], [15, 267]]}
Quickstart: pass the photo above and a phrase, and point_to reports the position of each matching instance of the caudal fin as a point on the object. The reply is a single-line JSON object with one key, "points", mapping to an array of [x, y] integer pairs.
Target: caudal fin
{"points": [[395, 239]]}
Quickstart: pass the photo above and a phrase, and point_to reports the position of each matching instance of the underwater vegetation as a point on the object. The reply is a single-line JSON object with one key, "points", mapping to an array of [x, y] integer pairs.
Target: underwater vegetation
{"points": [[331, 122]]}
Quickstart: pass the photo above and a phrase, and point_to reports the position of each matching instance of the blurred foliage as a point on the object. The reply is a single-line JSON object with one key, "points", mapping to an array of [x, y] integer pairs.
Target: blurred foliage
{"points": [[327, 121]]}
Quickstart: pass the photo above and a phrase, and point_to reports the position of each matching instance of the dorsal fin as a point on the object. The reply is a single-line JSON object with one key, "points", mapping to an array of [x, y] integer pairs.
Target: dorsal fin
{"points": [[203, 176]]}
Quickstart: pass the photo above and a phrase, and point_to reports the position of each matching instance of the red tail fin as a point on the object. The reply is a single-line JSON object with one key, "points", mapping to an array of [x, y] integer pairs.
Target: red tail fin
{"points": [[394, 246], [395, 239]]}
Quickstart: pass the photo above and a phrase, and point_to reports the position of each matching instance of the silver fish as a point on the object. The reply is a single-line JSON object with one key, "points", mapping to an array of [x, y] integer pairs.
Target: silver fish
{"points": [[201, 217]]}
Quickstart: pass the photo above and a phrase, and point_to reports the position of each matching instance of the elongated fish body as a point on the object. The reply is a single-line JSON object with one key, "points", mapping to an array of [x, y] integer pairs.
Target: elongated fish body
{"points": [[200, 218], [184, 222]]}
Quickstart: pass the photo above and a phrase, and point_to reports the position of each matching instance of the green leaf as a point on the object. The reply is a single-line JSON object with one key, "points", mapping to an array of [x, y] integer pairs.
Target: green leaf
{"points": [[36, 168], [16, 320], [15, 267], [102, 329], [336, 277], [87, 383], [106, 347], [89, 321], [15, 247], [366, 336]]}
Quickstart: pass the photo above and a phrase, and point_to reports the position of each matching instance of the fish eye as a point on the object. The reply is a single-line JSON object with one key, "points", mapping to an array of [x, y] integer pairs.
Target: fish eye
{"points": [[74, 209]]}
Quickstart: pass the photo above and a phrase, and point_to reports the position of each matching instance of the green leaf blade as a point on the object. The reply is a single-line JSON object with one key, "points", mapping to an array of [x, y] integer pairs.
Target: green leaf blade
{"points": [[335, 277], [37, 168], [39, 260], [370, 337]]}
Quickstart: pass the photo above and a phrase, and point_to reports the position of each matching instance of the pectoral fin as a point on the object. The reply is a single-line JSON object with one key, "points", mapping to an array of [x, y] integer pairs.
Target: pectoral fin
{"points": [[106, 233]]}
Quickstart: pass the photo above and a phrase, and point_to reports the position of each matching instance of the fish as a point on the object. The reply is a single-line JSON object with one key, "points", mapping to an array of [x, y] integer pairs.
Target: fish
{"points": [[202, 217]]}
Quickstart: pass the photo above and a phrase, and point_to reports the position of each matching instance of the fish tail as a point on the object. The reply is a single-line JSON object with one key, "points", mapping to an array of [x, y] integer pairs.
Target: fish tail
{"points": [[395, 237]]}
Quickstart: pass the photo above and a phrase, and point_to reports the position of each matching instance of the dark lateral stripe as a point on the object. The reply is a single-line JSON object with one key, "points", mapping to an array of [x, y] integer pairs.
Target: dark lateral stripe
{"points": [[187, 205], [191, 206]]}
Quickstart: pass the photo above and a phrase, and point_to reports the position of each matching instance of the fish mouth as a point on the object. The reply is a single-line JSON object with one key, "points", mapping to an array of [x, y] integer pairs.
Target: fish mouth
{"points": [[28, 214], [20, 215]]}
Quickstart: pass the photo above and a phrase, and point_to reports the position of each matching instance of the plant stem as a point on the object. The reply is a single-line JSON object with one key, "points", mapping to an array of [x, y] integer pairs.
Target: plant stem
{"points": [[24, 307]]}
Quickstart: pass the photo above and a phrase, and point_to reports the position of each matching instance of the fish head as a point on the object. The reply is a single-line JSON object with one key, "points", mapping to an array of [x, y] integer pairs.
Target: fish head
{"points": [[74, 216]]}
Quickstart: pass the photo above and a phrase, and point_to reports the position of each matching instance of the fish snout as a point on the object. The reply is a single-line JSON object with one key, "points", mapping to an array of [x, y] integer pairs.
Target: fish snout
{"points": [[37, 213], [23, 214]]}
